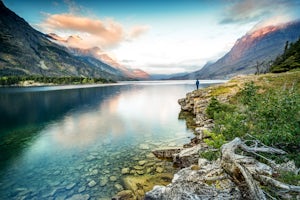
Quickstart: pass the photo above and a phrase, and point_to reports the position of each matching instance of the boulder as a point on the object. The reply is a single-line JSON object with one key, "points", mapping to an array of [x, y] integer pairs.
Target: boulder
{"points": [[191, 184], [188, 156]]}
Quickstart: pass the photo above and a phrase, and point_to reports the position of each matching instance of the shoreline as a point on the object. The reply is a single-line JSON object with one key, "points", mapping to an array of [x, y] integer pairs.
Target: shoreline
{"points": [[221, 178]]}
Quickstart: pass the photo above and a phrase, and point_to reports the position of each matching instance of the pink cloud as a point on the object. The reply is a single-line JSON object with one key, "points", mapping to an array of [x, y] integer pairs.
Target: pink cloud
{"points": [[93, 32], [107, 33]]}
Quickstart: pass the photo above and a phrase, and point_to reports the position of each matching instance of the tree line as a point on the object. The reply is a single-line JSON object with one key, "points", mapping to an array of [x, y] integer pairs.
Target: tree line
{"points": [[289, 60], [16, 80]]}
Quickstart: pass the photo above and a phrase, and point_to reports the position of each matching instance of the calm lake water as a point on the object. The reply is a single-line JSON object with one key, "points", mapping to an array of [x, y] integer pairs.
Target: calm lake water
{"points": [[56, 142]]}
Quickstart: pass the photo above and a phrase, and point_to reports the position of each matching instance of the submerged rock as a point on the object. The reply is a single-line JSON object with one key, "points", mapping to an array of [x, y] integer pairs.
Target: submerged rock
{"points": [[166, 152], [113, 178], [103, 181], [79, 197], [139, 184], [137, 167], [81, 189], [92, 183], [140, 172], [124, 195], [90, 158], [119, 187], [70, 186], [125, 171], [142, 162]]}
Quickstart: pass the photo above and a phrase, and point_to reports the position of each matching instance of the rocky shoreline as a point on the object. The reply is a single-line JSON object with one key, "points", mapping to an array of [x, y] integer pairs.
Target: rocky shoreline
{"points": [[232, 176]]}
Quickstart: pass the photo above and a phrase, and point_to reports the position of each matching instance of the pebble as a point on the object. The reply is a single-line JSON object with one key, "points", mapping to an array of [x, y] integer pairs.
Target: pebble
{"points": [[142, 162], [92, 183], [103, 182], [79, 197], [138, 167], [149, 170], [94, 153], [82, 189], [57, 172], [125, 171], [113, 178], [94, 172], [119, 187], [106, 163], [79, 167], [140, 172], [90, 158], [150, 164], [70, 186], [135, 158]]}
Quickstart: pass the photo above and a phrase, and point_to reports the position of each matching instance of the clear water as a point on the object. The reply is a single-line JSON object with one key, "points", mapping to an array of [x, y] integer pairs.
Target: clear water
{"points": [[56, 142]]}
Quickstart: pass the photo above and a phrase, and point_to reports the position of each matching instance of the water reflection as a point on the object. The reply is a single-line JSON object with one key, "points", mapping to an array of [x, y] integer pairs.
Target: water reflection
{"points": [[65, 138]]}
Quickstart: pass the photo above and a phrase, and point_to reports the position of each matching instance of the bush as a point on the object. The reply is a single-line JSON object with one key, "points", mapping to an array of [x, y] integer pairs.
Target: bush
{"points": [[215, 107], [215, 140], [272, 117]]}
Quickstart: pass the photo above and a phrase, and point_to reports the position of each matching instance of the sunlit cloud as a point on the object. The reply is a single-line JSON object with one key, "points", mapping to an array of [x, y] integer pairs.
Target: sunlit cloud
{"points": [[106, 33], [87, 30]]}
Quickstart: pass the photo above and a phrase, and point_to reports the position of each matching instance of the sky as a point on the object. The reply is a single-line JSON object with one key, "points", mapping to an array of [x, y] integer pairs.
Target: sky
{"points": [[157, 36]]}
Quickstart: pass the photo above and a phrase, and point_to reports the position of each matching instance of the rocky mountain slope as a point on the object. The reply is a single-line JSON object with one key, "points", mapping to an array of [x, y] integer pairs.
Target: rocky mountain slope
{"points": [[95, 53], [26, 51], [262, 45]]}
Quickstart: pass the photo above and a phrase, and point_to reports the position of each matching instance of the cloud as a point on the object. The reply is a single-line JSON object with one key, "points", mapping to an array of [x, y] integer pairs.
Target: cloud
{"points": [[73, 7], [106, 33], [246, 11], [93, 31], [138, 31]]}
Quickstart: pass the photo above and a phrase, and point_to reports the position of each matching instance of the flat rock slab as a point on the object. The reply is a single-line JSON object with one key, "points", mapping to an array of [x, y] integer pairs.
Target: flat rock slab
{"points": [[166, 152]]}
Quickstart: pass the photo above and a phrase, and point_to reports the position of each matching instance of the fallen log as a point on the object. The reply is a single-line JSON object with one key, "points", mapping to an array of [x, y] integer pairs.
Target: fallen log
{"points": [[250, 170]]}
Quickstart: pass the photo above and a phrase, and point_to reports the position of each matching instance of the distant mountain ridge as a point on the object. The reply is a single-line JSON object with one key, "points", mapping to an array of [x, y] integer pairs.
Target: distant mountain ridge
{"points": [[261, 45], [97, 53], [26, 51]]}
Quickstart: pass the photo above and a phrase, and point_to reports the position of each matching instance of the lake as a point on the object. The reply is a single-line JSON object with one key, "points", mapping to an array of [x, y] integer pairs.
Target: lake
{"points": [[60, 141]]}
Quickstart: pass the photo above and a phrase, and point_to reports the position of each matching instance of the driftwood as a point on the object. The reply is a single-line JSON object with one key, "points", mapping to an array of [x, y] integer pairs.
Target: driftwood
{"points": [[250, 171]]}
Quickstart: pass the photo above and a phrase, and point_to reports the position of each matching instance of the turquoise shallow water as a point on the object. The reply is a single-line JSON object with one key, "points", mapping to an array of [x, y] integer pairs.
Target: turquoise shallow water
{"points": [[57, 142]]}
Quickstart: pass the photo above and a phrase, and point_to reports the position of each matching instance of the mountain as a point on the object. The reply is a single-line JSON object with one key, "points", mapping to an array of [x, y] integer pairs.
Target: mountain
{"points": [[262, 45], [71, 43], [167, 76], [26, 51]]}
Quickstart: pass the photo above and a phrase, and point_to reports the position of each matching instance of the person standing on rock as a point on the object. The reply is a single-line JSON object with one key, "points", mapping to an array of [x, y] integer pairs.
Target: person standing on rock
{"points": [[197, 84]]}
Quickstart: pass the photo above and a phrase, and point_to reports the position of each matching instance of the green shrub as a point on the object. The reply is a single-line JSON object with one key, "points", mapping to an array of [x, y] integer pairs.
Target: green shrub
{"points": [[210, 155], [215, 140], [215, 107], [272, 117]]}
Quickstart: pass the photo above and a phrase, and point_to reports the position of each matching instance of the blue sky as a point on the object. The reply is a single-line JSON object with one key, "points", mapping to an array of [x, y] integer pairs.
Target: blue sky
{"points": [[158, 36]]}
